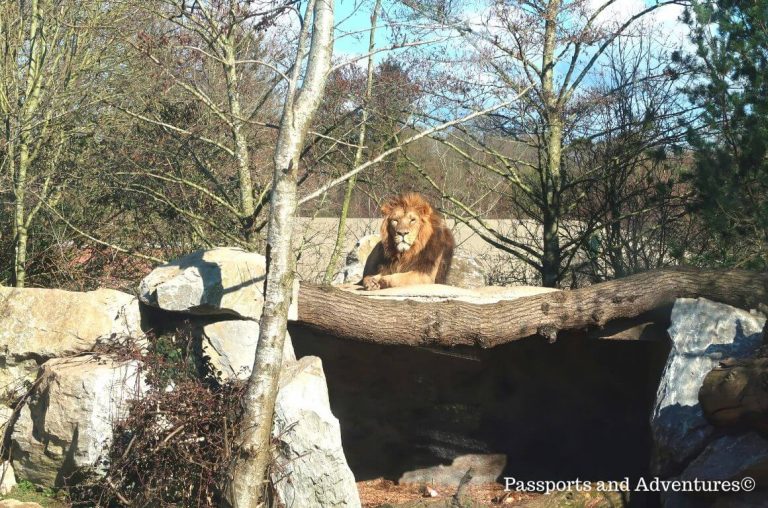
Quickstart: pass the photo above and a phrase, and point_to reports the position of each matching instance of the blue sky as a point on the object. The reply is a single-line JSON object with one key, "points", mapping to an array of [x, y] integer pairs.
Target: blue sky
{"points": [[354, 15]]}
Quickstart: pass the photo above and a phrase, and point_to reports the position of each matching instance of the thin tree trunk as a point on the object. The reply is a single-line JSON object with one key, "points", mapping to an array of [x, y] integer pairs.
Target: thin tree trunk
{"points": [[245, 183], [454, 323], [338, 246], [551, 258], [31, 102], [250, 468]]}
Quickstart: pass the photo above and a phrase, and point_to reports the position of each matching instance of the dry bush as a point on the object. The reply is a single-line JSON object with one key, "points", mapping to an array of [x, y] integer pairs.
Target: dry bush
{"points": [[173, 448]]}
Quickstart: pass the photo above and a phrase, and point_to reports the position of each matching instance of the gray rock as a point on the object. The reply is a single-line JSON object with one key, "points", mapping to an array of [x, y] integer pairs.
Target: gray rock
{"points": [[38, 324], [465, 272], [229, 348], [310, 467], [223, 281], [16, 377], [442, 292], [483, 468], [750, 500], [726, 458], [702, 333], [67, 422], [7, 478], [5, 417], [730, 457], [352, 273]]}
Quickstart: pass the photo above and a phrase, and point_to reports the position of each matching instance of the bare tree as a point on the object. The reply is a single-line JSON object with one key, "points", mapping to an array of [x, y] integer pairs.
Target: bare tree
{"points": [[330, 270], [639, 201], [218, 76], [305, 91], [558, 46], [54, 60]]}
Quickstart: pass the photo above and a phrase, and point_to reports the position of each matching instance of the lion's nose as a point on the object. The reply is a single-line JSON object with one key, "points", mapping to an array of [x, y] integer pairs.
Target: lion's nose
{"points": [[402, 233]]}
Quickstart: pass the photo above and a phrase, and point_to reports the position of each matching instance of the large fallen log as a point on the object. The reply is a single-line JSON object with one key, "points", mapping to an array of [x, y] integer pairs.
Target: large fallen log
{"points": [[452, 323]]}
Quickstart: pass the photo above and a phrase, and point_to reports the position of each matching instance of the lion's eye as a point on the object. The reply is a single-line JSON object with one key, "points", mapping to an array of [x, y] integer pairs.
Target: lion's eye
{"points": [[394, 222], [413, 220]]}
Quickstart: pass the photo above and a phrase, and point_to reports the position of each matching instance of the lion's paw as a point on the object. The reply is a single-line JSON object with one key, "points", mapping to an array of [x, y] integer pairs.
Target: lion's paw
{"points": [[371, 283]]}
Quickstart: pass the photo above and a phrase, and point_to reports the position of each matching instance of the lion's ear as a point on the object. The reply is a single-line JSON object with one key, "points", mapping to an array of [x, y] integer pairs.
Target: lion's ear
{"points": [[386, 209], [424, 209]]}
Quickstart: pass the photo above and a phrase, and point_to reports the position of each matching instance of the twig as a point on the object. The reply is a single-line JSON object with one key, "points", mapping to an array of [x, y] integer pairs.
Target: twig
{"points": [[120, 497]]}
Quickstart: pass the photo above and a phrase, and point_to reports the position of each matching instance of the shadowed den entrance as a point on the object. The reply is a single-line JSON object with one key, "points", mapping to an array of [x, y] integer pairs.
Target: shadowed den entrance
{"points": [[577, 408]]}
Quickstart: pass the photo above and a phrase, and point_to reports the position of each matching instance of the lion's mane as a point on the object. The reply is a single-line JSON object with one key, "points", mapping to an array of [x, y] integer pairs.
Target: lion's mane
{"points": [[433, 246]]}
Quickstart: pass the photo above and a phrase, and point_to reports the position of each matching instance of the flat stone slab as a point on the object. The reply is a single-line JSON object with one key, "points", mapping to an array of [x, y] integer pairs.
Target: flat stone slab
{"points": [[45, 323], [441, 292], [483, 469]]}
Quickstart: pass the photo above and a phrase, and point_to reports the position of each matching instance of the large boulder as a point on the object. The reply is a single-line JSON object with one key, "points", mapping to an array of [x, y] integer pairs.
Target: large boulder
{"points": [[735, 394], [733, 458], [229, 347], [703, 334], [223, 281], [66, 424], [38, 324], [310, 467]]}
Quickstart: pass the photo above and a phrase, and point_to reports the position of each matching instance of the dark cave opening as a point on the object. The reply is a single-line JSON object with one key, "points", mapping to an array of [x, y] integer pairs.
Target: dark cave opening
{"points": [[577, 408]]}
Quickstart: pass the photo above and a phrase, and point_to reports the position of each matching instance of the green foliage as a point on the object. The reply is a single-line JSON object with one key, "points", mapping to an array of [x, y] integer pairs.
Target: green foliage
{"points": [[170, 359], [49, 498], [731, 143]]}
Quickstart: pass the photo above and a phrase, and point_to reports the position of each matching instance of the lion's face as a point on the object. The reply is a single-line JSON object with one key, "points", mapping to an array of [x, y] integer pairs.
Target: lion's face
{"points": [[404, 227]]}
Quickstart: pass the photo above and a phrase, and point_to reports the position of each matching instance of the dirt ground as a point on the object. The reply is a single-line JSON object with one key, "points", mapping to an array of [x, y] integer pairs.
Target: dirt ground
{"points": [[380, 492]]}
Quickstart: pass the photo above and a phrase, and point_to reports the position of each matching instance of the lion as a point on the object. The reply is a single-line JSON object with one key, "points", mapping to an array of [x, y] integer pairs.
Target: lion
{"points": [[416, 246]]}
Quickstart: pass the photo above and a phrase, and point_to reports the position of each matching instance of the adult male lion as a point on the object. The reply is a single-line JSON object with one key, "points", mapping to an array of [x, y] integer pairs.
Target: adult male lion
{"points": [[416, 247]]}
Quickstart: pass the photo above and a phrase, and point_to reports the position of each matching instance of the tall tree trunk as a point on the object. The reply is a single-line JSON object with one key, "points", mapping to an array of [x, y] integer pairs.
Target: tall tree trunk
{"points": [[250, 468], [551, 256], [330, 270]]}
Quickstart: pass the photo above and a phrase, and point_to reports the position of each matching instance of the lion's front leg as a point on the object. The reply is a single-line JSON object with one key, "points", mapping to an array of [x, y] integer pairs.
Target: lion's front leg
{"points": [[372, 282], [396, 280]]}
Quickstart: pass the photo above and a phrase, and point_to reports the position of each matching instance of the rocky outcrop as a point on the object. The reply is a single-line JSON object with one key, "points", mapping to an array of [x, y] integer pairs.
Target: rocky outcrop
{"points": [[67, 422], [50, 322], [37, 324], [703, 333], [310, 467], [735, 394], [229, 347], [224, 281], [483, 469]]}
